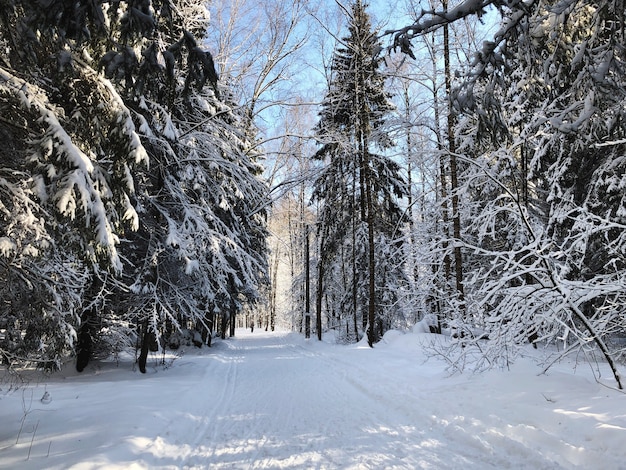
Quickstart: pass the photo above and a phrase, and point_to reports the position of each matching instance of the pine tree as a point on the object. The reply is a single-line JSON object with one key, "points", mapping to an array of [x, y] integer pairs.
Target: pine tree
{"points": [[357, 187]]}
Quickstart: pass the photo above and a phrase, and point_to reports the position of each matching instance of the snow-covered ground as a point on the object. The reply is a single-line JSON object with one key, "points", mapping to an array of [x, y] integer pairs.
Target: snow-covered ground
{"points": [[274, 400]]}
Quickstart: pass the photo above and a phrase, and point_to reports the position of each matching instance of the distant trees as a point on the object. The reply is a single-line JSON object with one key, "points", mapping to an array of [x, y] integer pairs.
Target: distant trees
{"points": [[260, 53], [145, 198], [359, 220]]}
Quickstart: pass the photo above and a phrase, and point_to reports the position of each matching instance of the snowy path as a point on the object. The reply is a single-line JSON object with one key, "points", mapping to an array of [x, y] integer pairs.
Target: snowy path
{"points": [[265, 401]]}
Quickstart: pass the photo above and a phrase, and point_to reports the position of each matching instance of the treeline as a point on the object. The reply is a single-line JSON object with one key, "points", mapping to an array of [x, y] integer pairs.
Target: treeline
{"points": [[539, 140], [506, 223], [131, 206], [487, 196]]}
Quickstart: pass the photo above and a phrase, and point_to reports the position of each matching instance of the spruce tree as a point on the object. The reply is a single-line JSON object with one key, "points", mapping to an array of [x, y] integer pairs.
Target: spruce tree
{"points": [[357, 187], [75, 147], [141, 191], [200, 248]]}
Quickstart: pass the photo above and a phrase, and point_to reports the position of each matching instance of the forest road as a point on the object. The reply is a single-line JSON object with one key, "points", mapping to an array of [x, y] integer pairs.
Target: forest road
{"points": [[278, 403]]}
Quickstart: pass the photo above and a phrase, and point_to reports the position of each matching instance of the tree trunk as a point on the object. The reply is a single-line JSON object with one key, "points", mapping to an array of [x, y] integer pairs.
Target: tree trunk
{"points": [[224, 325], [145, 345], [456, 217], [443, 181], [372, 335], [320, 293], [307, 284], [355, 291], [232, 322], [84, 342], [273, 289], [88, 327], [207, 328]]}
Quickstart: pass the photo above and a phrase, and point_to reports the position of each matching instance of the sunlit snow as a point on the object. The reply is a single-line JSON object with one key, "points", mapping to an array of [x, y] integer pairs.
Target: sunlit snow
{"points": [[275, 400], [7, 246]]}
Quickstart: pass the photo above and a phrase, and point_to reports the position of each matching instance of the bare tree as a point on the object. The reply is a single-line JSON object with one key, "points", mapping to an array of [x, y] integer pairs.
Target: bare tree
{"points": [[257, 51]]}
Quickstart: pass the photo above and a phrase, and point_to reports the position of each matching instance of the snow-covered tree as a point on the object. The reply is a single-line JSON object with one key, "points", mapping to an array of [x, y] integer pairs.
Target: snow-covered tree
{"points": [[358, 188], [137, 181], [543, 134], [428, 145], [73, 146], [200, 248]]}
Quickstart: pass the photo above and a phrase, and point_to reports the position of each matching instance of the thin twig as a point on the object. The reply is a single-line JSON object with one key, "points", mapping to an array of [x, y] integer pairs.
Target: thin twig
{"points": [[32, 440]]}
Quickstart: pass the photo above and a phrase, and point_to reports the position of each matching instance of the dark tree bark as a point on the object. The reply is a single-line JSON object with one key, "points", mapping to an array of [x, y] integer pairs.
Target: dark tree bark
{"points": [[456, 217], [320, 293], [372, 335], [145, 346], [84, 344], [232, 323]]}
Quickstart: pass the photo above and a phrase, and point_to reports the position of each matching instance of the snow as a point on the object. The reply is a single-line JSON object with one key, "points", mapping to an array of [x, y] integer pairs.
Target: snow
{"points": [[275, 400], [7, 246], [169, 129]]}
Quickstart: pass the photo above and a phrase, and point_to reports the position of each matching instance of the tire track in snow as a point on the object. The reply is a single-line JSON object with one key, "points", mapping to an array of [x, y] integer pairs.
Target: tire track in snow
{"points": [[189, 429], [450, 437], [306, 405]]}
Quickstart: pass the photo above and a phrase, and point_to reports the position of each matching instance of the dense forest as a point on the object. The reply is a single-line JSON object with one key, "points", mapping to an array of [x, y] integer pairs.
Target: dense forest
{"points": [[171, 169]]}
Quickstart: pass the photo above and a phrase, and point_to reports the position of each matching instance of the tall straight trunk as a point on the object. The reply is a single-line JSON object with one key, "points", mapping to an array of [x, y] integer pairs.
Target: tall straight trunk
{"points": [[293, 248], [409, 146], [355, 273], [456, 217], [319, 294], [367, 190], [307, 284], [302, 253], [372, 335], [273, 285], [443, 181], [447, 264], [362, 134]]}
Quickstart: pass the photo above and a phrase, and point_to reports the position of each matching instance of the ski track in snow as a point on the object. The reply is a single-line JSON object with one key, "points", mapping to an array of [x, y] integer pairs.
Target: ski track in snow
{"points": [[277, 401]]}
